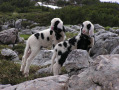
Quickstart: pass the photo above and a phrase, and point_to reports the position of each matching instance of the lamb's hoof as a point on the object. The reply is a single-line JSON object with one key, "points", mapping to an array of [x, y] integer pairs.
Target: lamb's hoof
{"points": [[26, 74]]}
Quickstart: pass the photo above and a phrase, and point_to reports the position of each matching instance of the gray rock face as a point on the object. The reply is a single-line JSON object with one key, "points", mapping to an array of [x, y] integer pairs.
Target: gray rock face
{"points": [[97, 26], [4, 86], [47, 83], [39, 28], [77, 60], [69, 29], [9, 53], [26, 31], [43, 58], [76, 27], [105, 43], [18, 24], [9, 36], [44, 70], [114, 31], [4, 27], [103, 75], [116, 50]]}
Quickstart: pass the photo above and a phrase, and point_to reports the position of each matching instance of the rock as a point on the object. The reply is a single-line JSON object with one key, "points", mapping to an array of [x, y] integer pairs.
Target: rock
{"points": [[105, 43], [4, 86], [97, 26], [43, 58], [114, 31], [69, 29], [48, 83], [35, 31], [9, 36], [18, 24], [4, 27], [44, 70], [10, 54], [76, 27], [77, 60], [21, 40], [38, 28], [116, 50], [26, 31], [103, 75]]}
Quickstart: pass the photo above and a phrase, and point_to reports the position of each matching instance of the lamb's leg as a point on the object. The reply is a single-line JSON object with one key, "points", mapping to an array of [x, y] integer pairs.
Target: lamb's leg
{"points": [[29, 60], [24, 58], [56, 68]]}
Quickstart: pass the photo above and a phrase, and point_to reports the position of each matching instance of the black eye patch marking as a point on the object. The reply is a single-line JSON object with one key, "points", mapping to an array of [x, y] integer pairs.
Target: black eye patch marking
{"points": [[55, 25], [88, 26]]}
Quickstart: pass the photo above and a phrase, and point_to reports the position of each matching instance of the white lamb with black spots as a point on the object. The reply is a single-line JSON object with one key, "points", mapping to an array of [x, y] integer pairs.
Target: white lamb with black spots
{"points": [[84, 40], [45, 38]]}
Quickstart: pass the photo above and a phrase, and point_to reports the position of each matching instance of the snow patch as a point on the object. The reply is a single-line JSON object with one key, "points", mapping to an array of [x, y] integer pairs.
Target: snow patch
{"points": [[49, 6]]}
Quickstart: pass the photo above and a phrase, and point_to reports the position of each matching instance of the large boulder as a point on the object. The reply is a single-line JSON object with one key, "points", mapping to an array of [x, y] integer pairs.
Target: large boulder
{"points": [[77, 61], [47, 83], [43, 58], [102, 75], [10, 54], [105, 43], [9, 36], [4, 86], [116, 50]]}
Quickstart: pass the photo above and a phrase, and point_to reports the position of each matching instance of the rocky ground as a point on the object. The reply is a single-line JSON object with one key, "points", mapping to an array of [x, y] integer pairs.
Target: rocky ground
{"points": [[98, 72]]}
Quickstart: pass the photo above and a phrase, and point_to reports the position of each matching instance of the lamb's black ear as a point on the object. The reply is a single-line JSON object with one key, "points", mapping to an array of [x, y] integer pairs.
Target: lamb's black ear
{"points": [[64, 29], [55, 25], [88, 26]]}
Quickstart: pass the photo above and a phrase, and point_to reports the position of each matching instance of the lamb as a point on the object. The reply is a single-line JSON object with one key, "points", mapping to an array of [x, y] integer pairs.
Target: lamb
{"points": [[42, 39], [84, 40]]}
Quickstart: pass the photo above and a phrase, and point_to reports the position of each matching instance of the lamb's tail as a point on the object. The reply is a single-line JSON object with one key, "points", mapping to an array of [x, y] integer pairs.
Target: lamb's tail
{"points": [[53, 60]]}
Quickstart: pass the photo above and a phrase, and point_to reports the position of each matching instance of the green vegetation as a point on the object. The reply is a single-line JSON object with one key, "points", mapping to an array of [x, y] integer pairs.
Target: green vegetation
{"points": [[70, 35], [10, 74], [105, 14], [107, 28], [24, 36]]}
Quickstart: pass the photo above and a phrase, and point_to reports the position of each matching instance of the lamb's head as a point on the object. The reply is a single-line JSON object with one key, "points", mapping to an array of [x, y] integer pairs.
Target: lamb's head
{"points": [[87, 28], [57, 25]]}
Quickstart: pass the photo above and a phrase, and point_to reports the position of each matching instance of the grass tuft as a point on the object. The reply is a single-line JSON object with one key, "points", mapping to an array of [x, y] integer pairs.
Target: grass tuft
{"points": [[10, 73], [25, 36]]}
